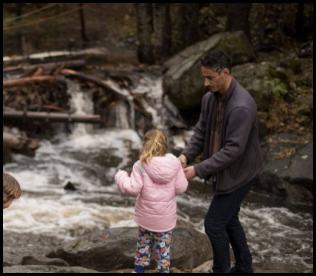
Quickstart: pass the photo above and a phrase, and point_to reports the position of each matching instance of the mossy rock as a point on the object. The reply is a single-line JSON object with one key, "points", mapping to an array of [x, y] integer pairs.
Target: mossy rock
{"points": [[183, 82]]}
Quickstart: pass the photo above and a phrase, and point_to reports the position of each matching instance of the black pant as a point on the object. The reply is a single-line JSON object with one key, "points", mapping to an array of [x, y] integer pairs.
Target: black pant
{"points": [[223, 228]]}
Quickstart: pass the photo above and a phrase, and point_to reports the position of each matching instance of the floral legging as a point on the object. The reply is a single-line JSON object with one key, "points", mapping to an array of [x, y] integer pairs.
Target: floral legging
{"points": [[156, 244]]}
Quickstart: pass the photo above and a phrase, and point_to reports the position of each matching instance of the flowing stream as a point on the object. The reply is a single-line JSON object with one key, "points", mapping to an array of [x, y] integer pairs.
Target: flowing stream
{"points": [[87, 159]]}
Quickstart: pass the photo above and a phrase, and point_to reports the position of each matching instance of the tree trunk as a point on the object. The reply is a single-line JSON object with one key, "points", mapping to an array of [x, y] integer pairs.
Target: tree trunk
{"points": [[185, 29], [237, 18], [299, 22], [178, 35], [84, 37], [162, 31], [144, 19], [191, 23], [19, 32]]}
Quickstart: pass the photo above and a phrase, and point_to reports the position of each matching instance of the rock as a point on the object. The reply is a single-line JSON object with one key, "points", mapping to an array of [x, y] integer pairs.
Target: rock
{"points": [[203, 268], [46, 269], [31, 260], [28, 248], [301, 167], [18, 142], [70, 186], [263, 81], [288, 170], [182, 81], [115, 249]]}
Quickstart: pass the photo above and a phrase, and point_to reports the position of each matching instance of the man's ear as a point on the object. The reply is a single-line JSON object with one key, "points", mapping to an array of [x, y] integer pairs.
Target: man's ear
{"points": [[226, 71]]}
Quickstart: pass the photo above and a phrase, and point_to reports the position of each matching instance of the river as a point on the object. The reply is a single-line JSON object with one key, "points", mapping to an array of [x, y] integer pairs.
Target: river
{"points": [[86, 160]]}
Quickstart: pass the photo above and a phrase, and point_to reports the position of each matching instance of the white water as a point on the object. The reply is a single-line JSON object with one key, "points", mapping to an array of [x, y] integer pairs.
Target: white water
{"points": [[274, 234]]}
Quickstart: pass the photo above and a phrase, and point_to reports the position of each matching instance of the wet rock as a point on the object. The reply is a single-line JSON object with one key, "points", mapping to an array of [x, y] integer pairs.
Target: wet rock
{"points": [[46, 269], [182, 81], [70, 186], [114, 249], [31, 260], [288, 170], [21, 248], [301, 167], [16, 141]]}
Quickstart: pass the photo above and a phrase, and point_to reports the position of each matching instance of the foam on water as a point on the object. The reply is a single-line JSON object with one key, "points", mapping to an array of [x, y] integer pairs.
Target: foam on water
{"points": [[63, 218]]}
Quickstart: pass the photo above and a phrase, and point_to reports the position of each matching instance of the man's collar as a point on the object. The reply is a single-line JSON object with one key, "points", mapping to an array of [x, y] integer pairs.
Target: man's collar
{"points": [[228, 93]]}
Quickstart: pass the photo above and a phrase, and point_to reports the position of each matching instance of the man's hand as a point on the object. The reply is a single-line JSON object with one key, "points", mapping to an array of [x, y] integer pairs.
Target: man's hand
{"points": [[189, 172], [183, 160]]}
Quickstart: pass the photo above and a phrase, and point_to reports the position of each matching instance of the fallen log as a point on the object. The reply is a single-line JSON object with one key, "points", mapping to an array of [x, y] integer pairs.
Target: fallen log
{"points": [[47, 66], [32, 80], [52, 116], [107, 84], [34, 72]]}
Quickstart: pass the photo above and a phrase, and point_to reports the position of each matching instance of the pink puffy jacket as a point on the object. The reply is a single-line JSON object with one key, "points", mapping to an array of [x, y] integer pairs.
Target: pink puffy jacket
{"points": [[156, 186]]}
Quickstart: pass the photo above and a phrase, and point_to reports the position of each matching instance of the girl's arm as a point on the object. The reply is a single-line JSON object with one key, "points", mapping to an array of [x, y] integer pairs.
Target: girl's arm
{"points": [[181, 181], [130, 185]]}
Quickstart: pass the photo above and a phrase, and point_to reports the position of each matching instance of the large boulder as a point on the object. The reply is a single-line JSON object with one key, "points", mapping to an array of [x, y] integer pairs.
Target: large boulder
{"points": [[182, 81], [288, 170], [115, 249], [265, 81]]}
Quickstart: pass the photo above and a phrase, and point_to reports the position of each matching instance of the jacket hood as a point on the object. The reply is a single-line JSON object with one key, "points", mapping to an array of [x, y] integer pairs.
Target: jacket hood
{"points": [[162, 169]]}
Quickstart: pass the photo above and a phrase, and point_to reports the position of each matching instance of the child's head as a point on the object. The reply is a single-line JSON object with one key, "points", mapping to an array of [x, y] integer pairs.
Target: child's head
{"points": [[155, 144], [11, 190]]}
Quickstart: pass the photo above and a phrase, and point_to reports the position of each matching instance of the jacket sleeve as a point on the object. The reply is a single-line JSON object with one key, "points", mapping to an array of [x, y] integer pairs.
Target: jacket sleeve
{"points": [[181, 181], [237, 133], [131, 185], [196, 143]]}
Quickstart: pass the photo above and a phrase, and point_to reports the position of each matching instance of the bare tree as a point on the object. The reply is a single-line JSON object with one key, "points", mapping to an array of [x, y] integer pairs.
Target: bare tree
{"points": [[84, 37], [299, 21], [185, 29], [237, 17], [162, 32], [144, 17], [19, 33]]}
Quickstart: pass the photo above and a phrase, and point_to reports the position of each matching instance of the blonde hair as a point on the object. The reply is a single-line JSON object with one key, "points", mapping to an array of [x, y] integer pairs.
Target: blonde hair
{"points": [[11, 187], [155, 144]]}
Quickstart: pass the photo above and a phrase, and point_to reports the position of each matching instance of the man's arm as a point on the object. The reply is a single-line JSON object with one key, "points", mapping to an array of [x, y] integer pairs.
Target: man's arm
{"points": [[237, 133]]}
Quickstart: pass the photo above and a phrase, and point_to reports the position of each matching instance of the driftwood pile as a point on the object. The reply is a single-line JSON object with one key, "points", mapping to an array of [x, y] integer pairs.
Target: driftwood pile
{"points": [[42, 88]]}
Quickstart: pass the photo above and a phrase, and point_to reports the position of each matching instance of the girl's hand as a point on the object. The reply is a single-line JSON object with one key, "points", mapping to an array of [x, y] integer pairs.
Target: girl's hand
{"points": [[189, 172], [118, 174], [183, 160]]}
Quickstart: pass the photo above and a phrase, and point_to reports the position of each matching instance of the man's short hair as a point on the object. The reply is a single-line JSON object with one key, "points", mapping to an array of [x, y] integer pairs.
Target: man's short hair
{"points": [[216, 60], [11, 186]]}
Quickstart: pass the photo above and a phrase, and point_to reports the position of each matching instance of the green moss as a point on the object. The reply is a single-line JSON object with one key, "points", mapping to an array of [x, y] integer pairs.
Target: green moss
{"points": [[275, 88]]}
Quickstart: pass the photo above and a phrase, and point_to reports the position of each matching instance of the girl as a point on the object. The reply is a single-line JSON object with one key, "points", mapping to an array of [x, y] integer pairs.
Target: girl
{"points": [[157, 177]]}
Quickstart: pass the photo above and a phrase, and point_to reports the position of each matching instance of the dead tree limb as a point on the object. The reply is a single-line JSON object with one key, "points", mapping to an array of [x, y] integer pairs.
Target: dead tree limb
{"points": [[106, 84], [52, 116], [47, 66], [31, 80]]}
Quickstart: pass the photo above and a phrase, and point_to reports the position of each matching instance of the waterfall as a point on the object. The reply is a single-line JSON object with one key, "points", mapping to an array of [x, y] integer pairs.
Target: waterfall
{"points": [[81, 104]]}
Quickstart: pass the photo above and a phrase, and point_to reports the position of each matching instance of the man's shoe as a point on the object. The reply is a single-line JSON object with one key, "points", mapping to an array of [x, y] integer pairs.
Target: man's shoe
{"points": [[236, 270]]}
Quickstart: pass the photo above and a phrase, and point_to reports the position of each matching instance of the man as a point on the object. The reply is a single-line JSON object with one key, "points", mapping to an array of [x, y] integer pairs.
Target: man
{"points": [[227, 135]]}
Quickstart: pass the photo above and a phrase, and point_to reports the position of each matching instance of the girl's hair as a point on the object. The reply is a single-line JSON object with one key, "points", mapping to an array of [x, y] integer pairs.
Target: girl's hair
{"points": [[11, 187], [155, 144]]}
